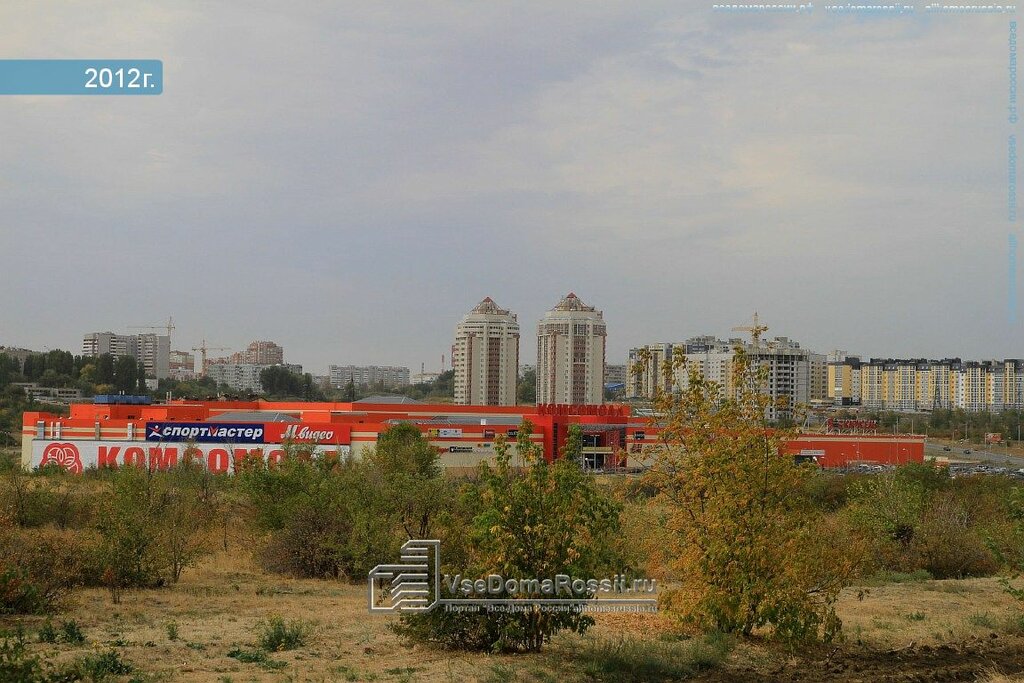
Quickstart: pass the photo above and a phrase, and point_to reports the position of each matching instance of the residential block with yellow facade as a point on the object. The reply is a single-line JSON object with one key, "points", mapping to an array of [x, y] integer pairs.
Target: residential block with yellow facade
{"points": [[918, 384]]}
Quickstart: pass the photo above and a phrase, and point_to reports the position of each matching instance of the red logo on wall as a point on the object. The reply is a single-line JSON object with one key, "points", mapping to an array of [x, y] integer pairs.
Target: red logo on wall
{"points": [[63, 454]]}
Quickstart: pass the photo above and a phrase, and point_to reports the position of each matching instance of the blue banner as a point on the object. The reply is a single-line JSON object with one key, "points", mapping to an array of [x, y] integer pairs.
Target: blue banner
{"points": [[81, 77], [205, 432]]}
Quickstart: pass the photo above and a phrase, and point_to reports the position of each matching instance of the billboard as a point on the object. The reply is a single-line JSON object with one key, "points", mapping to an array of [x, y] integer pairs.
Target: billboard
{"points": [[205, 432], [248, 432], [76, 456], [308, 432]]}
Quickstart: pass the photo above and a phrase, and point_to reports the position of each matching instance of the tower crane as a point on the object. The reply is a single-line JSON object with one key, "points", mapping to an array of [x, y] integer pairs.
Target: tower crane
{"points": [[169, 326], [755, 330], [203, 348]]}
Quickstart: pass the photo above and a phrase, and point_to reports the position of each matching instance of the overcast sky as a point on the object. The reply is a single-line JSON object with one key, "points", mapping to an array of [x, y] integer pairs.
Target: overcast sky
{"points": [[350, 178]]}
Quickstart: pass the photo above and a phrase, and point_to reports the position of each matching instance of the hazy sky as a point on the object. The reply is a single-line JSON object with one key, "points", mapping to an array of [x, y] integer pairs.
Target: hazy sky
{"points": [[350, 178]]}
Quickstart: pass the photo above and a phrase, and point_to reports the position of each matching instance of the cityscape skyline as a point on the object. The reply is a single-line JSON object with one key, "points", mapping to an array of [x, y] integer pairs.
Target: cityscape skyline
{"points": [[526, 358], [318, 175]]}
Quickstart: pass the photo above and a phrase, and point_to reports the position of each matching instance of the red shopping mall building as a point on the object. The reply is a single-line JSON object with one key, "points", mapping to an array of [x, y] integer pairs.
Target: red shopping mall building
{"points": [[120, 430]]}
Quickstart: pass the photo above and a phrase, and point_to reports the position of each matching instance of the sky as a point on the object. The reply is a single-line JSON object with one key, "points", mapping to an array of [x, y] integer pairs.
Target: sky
{"points": [[349, 179]]}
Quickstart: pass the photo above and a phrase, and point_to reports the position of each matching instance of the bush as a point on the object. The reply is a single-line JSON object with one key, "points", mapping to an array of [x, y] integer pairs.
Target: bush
{"points": [[16, 664], [38, 568], [47, 633], [101, 666], [324, 521], [528, 523], [70, 633], [255, 657], [149, 527], [948, 544], [649, 660], [275, 635]]}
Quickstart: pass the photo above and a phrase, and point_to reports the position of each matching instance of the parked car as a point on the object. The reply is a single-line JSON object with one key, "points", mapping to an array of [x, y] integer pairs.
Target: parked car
{"points": [[947, 448], [967, 451]]}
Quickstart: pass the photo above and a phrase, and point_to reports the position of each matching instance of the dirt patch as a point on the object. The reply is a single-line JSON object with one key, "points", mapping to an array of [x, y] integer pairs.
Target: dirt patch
{"points": [[970, 660]]}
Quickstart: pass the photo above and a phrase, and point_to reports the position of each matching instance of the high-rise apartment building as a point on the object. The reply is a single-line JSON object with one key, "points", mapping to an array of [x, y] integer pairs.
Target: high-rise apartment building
{"points": [[795, 375], [485, 356], [182, 365], [370, 375], [917, 384], [614, 374], [260, 353], [244, 376], [152, 349], [571, 353]]}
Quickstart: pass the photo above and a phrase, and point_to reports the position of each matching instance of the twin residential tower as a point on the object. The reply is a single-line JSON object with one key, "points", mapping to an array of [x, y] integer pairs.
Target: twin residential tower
{"points": [[570, 355]]}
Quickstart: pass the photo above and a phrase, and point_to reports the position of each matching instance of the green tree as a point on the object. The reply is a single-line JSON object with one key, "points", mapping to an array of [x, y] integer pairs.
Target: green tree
{"points": [[324, 518], [532, 521], [407, 471], [573, 450], [526, 392], [105, 369], [350, 391], [9, 370], [280, 381], [126, 377]]}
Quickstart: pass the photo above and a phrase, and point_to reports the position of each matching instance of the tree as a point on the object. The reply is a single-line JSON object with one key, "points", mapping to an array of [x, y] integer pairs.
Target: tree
{"points": [[526, 392], [9, 369], [140, 373], [751, 551], [533, 521], [280, 381], [105, 369], [573, 450], [350, 391], [407, 471], [126, 376]]}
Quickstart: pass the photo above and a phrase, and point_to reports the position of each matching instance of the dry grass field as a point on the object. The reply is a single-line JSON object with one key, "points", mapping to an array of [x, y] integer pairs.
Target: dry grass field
{"points": [[930, 630]]}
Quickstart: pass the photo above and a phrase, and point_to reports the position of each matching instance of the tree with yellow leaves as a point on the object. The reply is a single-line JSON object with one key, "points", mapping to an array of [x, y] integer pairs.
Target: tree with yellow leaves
{"points": [[751, 552]]}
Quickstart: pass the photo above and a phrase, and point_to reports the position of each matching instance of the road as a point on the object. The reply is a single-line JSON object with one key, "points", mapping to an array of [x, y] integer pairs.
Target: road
{"points": [[991, 455]]}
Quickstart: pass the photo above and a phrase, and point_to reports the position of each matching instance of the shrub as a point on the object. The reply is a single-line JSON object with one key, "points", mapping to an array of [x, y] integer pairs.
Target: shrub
{"points": [[16, 664], [172, 630], [649, 660], [323, 522], [98, 667], [47, 633], [275, 635], [38, 568], [71, 633], [149, 527], [529, 522], [255, 657], [18, 595], [948, 545]]}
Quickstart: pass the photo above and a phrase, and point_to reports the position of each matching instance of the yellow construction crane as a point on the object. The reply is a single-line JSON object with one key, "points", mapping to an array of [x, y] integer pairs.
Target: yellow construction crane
{"points": [[169, 326], [755, 330], [204, 348]]}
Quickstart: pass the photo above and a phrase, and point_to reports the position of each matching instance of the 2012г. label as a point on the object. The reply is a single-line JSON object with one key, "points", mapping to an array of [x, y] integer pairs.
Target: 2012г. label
{"points": [[105, 78]]}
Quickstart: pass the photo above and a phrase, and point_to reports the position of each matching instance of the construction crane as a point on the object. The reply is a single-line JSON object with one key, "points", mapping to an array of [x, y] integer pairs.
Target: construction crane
{"points": [[204, 348], [169, 326], [755, 330]]}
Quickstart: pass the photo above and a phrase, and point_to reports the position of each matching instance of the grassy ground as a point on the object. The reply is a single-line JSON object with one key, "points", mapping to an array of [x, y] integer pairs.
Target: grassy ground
{"points": [[188, 631]]}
